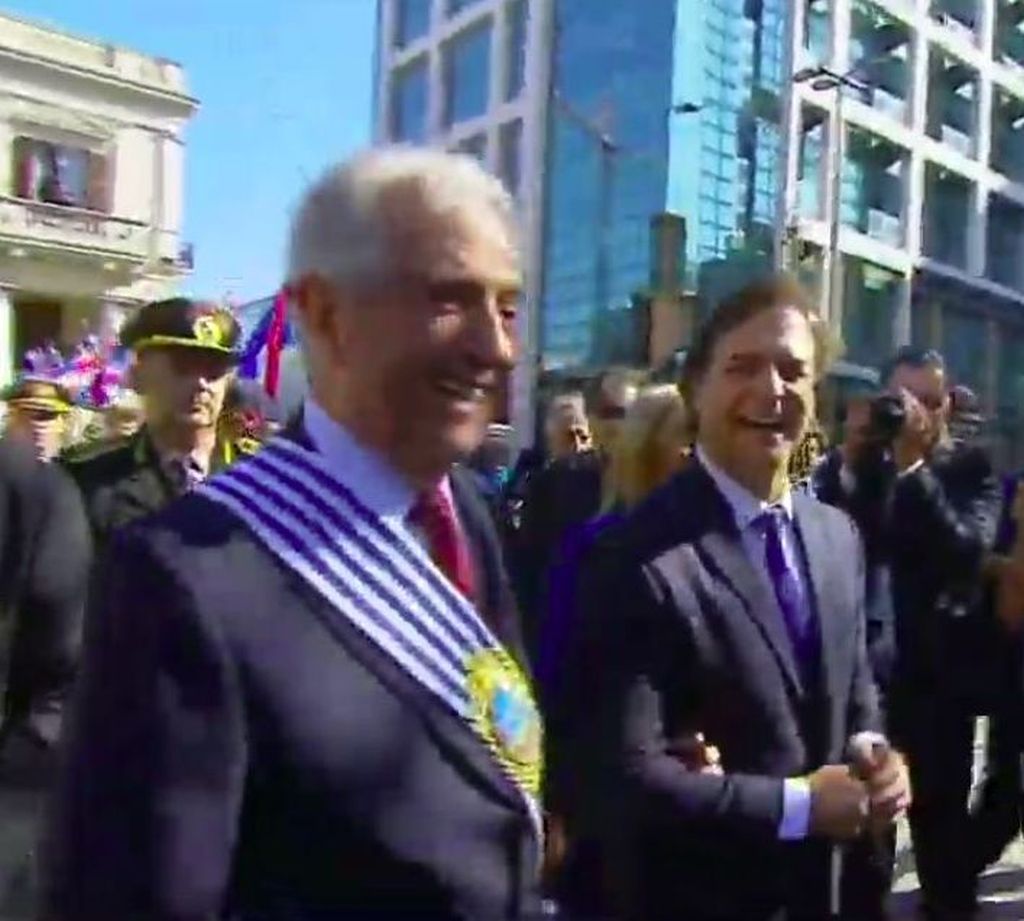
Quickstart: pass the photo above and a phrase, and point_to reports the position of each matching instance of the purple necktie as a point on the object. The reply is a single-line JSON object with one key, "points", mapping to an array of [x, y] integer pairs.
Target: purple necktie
{"points": [[786, 582]]}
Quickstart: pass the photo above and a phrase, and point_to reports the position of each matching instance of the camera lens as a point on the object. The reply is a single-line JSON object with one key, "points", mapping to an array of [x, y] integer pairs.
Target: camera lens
{"points": [[887, 417]]}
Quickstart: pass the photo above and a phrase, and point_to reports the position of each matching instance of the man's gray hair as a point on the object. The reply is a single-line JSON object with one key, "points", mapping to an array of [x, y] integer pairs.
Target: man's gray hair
{"points": [[340, 230]]}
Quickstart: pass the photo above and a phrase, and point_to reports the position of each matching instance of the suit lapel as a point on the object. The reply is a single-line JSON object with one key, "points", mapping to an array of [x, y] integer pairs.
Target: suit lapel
{"points": [[493, 601], [722, 546], [148, 490], [814, 540]]}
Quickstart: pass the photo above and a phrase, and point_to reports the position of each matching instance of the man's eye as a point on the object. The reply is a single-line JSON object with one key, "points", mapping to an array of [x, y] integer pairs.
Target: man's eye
{"points": [[792, 371]]}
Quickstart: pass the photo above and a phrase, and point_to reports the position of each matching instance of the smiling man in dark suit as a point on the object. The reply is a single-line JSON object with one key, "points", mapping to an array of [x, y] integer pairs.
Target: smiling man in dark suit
{"points": [[302, 696], [731, 606]]}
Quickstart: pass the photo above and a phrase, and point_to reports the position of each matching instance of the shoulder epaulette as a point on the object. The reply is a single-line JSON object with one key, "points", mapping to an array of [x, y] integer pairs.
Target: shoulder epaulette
{"points": [[248, 445]]}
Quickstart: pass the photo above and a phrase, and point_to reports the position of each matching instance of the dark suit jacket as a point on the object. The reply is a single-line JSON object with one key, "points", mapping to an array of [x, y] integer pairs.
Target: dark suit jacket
{"points": [[122, 481], [563, 495], [44, 564], [238, 751], [943, 523], [678, 633], [868, 505]]}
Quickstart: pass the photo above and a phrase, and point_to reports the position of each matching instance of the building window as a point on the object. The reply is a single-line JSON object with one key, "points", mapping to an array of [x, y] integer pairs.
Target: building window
{"points": [[60, 175], [412, 21], [409, 103], [516, 52], [965, 347], [1005, 242], [945, 216], [467, 74], [457, 6], [870, 297], [475, 146], [510, 154]]}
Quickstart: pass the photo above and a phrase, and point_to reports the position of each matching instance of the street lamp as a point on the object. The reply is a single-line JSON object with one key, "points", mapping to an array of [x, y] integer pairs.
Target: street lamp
{"points": [[824, 79]]}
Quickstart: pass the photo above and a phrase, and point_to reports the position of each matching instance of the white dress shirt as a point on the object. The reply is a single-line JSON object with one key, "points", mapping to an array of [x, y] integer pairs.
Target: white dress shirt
{"points": [[373, 481], [746, 508]]}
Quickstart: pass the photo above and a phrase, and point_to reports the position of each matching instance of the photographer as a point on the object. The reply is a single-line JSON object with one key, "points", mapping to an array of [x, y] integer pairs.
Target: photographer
{"points": [[928, 511]]}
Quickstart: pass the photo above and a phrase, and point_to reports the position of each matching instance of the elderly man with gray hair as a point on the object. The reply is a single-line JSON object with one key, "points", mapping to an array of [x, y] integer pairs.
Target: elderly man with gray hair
{"points": [[302, 695]]}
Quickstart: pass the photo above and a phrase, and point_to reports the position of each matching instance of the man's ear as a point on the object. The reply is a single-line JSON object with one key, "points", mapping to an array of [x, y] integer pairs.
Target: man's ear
{"points": [[317, 303]]}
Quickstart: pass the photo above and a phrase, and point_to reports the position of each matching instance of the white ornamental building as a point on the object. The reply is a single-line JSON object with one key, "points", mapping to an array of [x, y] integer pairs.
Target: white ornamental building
{"points": [[92, 161]]}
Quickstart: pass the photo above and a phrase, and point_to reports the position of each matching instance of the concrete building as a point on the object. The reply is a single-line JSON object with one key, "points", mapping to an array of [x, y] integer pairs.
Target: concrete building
{"points": [[923, 164], [613, 120], [92, 160]]}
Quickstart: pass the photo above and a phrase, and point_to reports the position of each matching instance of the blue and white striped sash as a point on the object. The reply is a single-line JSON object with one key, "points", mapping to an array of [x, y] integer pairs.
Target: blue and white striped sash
{"points": [[383, 581]]}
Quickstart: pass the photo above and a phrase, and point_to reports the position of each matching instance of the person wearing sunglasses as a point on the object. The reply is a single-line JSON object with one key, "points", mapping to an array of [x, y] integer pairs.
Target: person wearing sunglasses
{"points": [[36, 412]]}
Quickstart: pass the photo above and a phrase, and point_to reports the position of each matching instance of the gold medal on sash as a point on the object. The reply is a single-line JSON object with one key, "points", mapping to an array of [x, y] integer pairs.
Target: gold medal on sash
{"points": [[505, 716]]}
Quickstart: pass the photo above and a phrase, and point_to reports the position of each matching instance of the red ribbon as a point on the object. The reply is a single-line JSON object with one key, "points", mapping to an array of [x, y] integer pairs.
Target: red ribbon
{"points": [[275, 343]]}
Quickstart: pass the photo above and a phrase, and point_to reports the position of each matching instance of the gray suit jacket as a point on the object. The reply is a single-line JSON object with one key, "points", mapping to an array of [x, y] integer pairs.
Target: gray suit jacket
{"points": [[679, 633]]}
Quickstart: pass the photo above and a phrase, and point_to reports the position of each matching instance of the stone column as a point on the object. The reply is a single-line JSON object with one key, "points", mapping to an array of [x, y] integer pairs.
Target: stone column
{"points": [[8, 360]]}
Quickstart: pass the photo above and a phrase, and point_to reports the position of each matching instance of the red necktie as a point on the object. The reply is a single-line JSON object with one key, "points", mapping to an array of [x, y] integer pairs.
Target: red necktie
{"points": [[434, 515]]}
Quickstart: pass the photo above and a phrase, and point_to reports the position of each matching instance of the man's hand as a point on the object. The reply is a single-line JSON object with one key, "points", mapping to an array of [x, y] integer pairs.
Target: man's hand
{"points": [[884, 773], [839, 803], [912, 444]]}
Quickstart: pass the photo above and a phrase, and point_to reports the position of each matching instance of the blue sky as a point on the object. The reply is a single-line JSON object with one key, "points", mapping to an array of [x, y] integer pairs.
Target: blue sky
{"points": [[285, 87]]}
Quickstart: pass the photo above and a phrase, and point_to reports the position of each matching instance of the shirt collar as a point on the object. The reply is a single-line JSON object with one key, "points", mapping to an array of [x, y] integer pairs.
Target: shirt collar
{"points": [[366, 473], [745, 506]]}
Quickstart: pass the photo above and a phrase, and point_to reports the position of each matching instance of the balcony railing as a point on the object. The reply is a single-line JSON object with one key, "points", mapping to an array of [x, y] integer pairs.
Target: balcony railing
{"points": [[78, 228]]}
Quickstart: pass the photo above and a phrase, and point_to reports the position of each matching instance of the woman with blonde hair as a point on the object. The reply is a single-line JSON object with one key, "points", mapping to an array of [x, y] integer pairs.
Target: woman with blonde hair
{"points": [[651, 446], [653, 443]]}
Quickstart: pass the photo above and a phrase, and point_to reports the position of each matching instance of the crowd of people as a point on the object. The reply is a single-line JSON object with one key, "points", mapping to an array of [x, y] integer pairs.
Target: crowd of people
{"points": [[682, 662]]}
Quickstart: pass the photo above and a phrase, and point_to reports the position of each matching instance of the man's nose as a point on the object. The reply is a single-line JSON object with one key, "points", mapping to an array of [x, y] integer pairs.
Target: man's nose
{"points": [[493, 336], [773, 382]]}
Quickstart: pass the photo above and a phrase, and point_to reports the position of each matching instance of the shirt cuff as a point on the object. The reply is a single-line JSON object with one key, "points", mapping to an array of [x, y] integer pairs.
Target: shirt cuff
{"points": [[796, 809]]}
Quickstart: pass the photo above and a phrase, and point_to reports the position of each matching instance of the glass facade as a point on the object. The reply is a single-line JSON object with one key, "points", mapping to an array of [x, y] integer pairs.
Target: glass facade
{"points": [[457, 6], [510, 154], [696, 82], [870, 297], [409, 103], [516, 52], [964, 337], [606, 174], [467, 71], [412, 21]]}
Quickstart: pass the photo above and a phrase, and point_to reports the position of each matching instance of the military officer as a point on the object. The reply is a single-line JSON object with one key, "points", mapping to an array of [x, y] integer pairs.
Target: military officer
{"points": [[185, 356], [36, 411]]}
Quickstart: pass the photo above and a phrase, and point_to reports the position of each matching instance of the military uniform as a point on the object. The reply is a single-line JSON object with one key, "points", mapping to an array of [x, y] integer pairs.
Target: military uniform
{"points": [[125, 479]]}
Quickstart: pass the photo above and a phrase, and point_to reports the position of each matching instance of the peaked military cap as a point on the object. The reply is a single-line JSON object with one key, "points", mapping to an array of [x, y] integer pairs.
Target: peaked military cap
{"points": [[38, 393], [183, 322]]}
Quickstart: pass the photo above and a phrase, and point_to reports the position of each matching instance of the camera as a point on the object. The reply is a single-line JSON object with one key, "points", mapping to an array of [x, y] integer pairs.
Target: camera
{"points": [[887, 417]]}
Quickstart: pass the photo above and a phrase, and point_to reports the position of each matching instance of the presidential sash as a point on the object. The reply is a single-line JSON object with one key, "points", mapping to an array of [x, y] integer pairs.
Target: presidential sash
{"points": [[382, 580]]}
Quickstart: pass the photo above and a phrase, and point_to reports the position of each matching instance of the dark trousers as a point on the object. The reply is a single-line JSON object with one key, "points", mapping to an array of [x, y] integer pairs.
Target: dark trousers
{"points": [[997, 817], [867, 877], [937, 737]]}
